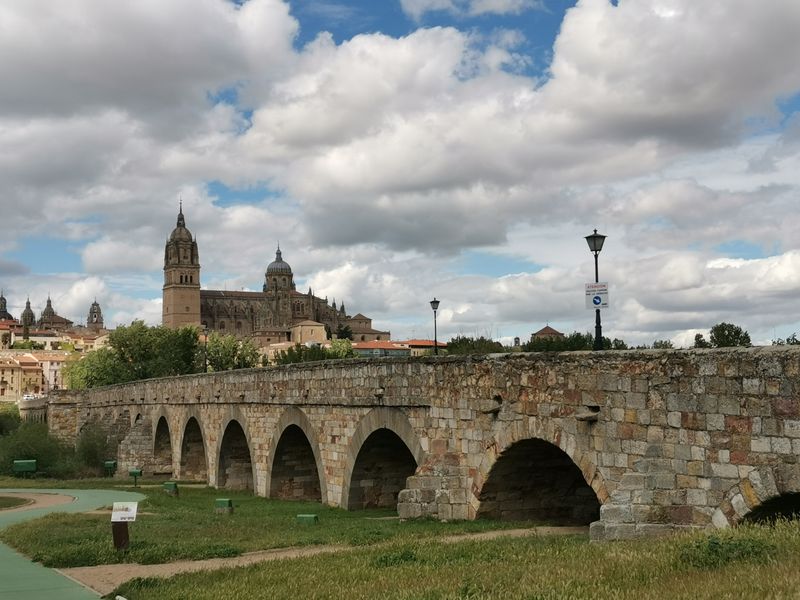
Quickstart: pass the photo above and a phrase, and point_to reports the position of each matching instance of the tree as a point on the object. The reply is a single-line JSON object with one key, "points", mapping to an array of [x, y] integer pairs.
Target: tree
{"points": [[789, 341], [724, 335], [700, 341], [95, 369], [225, 352], [147, 352], [573, 342], [341, 348], [662, 345], [137, 352], [298, 354], [469, 345], [344, 332]]}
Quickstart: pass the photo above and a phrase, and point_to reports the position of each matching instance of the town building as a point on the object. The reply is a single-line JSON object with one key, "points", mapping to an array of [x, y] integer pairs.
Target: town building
{"points": [[381, 348], [276, 314], [423, 347], [547, 333]]}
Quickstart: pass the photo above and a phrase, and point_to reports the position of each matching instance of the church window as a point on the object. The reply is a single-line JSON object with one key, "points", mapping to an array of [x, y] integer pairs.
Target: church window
{"points": [[363, 338], [238, 325], [222, 324]]}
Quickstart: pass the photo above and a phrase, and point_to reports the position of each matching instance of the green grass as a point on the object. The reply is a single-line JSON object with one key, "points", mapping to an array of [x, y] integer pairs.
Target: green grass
{"points": [[759, 562], [187, 528], [11, 502]]}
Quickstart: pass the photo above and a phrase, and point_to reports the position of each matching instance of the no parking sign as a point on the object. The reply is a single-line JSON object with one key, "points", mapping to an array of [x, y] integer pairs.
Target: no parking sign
{"points": [[596, 295]]}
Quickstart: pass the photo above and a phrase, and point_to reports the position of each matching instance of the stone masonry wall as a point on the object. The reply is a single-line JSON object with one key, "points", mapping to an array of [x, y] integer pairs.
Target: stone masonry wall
{"points": [[666, 440]]}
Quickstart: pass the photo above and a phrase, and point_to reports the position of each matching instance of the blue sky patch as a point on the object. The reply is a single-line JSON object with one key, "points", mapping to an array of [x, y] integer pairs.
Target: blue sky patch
{"points": [[473, 262], [741, 249], [47, 255], [231, 196]]}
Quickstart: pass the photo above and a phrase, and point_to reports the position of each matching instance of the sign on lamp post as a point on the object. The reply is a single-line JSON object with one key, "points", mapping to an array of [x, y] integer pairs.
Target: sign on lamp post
{"points": [[596, 295]]}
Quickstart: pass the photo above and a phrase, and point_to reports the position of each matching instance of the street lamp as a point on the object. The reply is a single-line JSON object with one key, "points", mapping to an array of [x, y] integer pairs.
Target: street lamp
{"points": [[435, 307], [205, 348], [595, 242]]}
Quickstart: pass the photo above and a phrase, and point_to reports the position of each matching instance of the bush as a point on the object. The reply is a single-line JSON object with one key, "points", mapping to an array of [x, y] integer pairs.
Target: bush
{"points": [[717, 551], [93, 449], [9, 418], [33, 441]]}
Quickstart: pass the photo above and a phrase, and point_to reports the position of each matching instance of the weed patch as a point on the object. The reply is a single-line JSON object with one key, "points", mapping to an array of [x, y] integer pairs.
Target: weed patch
{"points": [[715, 551]]}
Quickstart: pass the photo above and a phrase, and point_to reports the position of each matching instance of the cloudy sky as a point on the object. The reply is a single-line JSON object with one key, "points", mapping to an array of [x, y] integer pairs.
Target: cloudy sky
{"points": [[404, 149]]}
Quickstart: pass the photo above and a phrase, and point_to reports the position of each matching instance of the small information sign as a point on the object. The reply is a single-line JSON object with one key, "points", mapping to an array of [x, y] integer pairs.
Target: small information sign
{"points": [[596, 295], [124, 512]]}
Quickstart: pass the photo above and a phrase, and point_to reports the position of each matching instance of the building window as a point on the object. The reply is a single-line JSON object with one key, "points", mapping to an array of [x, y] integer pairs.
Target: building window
{"points": [[222, 324], [238, 325]]}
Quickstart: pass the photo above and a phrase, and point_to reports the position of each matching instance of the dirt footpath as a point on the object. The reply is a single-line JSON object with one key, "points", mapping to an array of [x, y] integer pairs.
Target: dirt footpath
{"points": [[37, 500], [105, 578]]}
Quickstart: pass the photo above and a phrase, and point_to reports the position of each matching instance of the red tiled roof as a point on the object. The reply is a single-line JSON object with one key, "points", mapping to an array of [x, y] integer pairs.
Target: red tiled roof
{"points": [[547, 330]]}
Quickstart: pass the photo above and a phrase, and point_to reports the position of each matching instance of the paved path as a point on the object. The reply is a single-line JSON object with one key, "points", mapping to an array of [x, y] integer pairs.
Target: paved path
{"points": [[21, 579]]}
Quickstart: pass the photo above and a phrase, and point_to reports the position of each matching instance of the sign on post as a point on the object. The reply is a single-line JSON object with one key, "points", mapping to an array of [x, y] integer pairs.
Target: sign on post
{"points": [[122, 513], [596, 295]]}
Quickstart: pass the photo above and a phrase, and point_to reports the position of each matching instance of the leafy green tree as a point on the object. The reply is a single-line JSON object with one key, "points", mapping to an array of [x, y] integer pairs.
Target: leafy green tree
{"points": [[95, 369], [470, 345], [662, 345], [344, 332], [341, 348], [701, 342], [725, 335], [9, 418], [225, 352], [299, 353], [147, 352], [570, 343], [137, 352], [789, 341]]}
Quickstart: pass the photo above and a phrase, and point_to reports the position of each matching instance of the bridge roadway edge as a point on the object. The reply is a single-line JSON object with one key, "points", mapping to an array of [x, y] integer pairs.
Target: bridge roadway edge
{"points": [[667, 439]]}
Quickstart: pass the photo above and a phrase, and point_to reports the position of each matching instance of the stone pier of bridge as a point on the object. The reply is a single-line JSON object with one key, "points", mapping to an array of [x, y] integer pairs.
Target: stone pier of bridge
{"points": [[634, 443]]}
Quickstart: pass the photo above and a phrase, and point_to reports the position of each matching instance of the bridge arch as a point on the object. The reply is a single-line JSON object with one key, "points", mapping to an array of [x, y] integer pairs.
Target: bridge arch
{"points": [[162, 447], [384, 451], [765, 491], [193, 459], [538, 472], [295, 464], [236, 468]]}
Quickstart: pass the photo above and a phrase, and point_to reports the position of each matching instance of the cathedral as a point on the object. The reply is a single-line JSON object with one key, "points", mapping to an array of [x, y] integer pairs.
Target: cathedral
{"points": [[273, 315]]}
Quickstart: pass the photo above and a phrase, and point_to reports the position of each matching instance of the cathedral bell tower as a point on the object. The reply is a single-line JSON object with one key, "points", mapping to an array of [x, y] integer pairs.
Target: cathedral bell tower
{"points": [[181, 298]]}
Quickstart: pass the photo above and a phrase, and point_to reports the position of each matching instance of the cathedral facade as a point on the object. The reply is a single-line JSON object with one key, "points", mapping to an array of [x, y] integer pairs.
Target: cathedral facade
{"points": [[267, 317]]}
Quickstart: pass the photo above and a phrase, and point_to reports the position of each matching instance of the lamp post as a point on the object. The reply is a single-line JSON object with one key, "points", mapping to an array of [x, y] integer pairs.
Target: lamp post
{"points": [[205, 348], [595, 242], [435, 307]]}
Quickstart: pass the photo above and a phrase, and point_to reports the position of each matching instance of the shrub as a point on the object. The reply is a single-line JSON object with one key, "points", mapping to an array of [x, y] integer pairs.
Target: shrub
{"points": [[32, 441], [717, 551], [93, 449], [9, 418]]}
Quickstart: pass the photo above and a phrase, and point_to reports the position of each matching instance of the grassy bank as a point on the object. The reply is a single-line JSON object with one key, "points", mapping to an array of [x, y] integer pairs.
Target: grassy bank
{"points": [[171, 528], [11, 502], [753, 562]]}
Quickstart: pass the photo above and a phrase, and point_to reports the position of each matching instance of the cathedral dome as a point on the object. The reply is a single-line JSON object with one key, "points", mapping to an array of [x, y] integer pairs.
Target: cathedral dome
{"points": [[279, 266]]}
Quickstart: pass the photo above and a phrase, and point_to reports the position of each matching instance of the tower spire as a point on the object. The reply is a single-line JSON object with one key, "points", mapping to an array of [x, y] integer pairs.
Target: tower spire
{"points": [[181, 220]]}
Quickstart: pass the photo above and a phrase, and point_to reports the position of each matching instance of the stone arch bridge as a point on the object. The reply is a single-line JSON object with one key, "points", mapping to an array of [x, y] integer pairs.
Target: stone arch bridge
{"points": [[635, 442]]}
